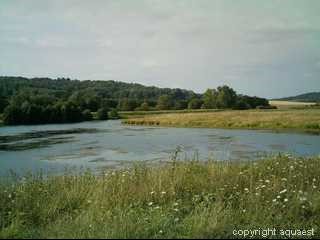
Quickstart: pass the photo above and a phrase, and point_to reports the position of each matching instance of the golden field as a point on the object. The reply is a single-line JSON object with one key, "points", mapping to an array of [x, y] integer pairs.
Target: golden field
{"points": [[296, 119]]}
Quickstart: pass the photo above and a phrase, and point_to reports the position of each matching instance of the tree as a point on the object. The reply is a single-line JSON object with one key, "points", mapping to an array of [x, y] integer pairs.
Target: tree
{"points": [[210, 99], [126, 104], [144, 106], [87, 115], [195, 103], [114, 114], [102, 114], [181, 104], [164, 102], [3, 104], [226, 97], [72, 112]]}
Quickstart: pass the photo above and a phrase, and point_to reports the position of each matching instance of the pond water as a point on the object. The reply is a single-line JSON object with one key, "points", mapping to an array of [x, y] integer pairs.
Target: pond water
{"points": [[109, 144]]}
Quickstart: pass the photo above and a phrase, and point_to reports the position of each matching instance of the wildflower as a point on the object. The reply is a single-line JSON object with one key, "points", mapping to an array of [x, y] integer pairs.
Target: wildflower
{"points": [[150, 203], [176, 219], [157, 207], [152, 192], [176, 210], [263, 186], [175, 204], [303, 199], [314, 186], [163, 193], [278, 196], [246, 189], [267, 181], [283, 179], [274, 200], [286, 200], [89, 201], [161, 232], [283, 191], [314, 180], [10, 196]]}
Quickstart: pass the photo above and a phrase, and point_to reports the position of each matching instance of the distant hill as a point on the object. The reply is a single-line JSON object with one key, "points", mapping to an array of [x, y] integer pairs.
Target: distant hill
{"points": [[307, 97]]}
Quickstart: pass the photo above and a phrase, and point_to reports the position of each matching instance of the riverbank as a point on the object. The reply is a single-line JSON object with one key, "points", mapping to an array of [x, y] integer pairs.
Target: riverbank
{"points": [[178, 200], [299, 119]]}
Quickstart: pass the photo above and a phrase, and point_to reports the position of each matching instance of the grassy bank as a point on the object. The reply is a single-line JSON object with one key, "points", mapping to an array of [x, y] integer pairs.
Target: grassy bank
{"points": [[137, 114], [304, 120], [179, 200]]}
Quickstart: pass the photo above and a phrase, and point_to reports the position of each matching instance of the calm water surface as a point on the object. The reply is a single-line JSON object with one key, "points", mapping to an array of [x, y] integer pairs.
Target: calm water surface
{"points": [[97, 145]]}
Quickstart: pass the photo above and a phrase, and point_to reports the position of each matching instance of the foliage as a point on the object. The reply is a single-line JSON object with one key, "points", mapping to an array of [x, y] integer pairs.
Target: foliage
{"points": [[164, 102], [195, 103], [113, 114], [44, 100], [102, 114], [183, 199]]}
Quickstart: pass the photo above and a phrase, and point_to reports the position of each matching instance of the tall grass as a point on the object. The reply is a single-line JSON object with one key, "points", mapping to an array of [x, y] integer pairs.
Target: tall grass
{"points": [[302, 120], [188, 199]]}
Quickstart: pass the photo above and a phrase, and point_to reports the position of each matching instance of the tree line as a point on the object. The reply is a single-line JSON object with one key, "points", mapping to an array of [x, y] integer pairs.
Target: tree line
{"points": [[43, 100]]}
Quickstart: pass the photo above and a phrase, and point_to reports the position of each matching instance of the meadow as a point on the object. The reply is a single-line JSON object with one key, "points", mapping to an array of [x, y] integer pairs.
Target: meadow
{"points": [[181, 199], [305, 119]]}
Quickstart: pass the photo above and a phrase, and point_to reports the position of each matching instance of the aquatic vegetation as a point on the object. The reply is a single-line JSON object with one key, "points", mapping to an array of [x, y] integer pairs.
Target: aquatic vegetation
{"points": [[37, 139], [180, 199]]}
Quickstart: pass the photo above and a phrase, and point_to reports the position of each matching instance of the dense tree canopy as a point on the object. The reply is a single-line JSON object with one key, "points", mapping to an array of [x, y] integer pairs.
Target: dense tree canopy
{"points": [[44, 100]]}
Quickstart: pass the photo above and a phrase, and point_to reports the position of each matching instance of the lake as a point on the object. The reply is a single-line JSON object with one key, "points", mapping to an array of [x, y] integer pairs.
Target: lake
{"points": [[109, 144]]}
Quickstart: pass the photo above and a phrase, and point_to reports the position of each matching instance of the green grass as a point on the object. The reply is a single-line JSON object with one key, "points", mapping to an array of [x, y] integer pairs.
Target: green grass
{"points": [[297, 119], [186, 199]]}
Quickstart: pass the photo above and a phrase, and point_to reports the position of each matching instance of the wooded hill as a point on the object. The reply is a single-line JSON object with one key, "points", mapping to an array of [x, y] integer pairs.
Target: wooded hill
{"points": [[45, 100]]}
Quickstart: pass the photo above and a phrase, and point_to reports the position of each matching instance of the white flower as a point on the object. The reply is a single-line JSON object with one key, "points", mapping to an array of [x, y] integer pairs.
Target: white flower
{"points": [[286, 200], [150, 203], [283, 191], [163, 193], [267, 181], [303, 199]]}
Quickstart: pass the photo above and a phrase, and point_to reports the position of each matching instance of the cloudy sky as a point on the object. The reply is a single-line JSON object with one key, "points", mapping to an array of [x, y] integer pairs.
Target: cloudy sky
{"points": [[266, 48]]}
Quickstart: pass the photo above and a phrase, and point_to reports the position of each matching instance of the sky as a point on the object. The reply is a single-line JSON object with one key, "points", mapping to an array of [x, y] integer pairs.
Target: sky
{"points": [[265, 48]]}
